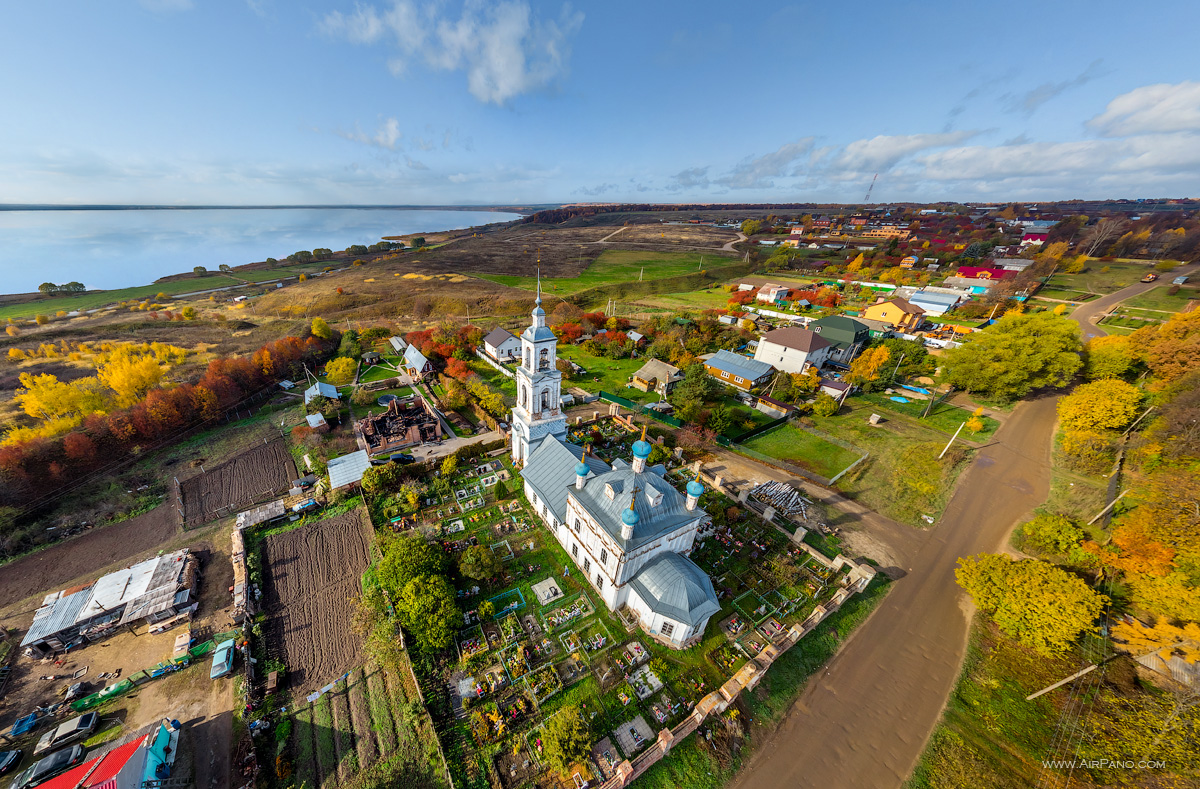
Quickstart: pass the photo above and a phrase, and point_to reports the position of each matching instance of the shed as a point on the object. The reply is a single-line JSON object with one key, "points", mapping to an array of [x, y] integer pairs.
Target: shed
{"points": [[348, 469], [320, 389]]}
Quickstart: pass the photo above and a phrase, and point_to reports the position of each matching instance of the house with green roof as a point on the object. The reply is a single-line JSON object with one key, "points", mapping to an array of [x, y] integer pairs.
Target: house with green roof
{"points": [[847, 336]]}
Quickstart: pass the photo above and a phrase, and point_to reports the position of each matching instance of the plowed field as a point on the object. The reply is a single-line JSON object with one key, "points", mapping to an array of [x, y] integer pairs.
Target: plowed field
{"points": [[312, 573], [88, 554], [236, 483]]}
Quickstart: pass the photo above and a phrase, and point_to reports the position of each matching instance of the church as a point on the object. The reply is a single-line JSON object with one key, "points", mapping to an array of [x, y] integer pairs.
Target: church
{"points": [[626, 528]]}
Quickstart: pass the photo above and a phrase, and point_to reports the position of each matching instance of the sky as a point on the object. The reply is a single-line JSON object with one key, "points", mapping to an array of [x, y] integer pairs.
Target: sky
{"points": [[441, 102]]}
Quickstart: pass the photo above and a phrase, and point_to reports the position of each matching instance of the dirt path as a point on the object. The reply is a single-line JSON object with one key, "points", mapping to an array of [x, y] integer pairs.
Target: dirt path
{"points": [[610, 235], [865, 721], [729, 246]]}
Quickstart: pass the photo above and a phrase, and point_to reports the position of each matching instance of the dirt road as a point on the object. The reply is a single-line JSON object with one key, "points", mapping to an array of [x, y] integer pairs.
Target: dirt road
{"points": [[865, 721], [1089, 313]]}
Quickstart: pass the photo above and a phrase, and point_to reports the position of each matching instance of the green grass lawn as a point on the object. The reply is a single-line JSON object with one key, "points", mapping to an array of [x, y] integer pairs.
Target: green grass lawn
{"points": [[945, 417], [1063, 295], [1097, 280], [264, 275], [614, 266], [741, 414], [378, 372], [1157, 299], [902, 478], [709, 299], [613, 374], [496, 379], [791, 444], [100, 298]]}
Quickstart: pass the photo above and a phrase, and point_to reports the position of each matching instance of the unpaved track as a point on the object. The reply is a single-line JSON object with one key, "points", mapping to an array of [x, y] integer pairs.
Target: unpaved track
{"points": [[865, 720]]}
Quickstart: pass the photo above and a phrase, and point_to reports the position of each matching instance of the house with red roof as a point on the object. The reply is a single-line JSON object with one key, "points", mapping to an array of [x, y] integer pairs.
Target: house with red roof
{"points": [[146, 758]]}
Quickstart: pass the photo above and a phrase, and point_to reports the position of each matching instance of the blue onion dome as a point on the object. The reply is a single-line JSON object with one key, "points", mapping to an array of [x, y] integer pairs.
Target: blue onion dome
{"points": [[630, 518], [694, 488], [641, 449], [582, 469]]}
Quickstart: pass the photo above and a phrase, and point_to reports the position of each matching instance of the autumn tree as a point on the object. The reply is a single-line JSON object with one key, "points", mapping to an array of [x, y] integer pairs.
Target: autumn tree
{"points": [[868, 366], [341, 370], [751, 226], [321, 329], [1108, 404], [1108, 356], [130, 375], [1172, 349], [1033, 602], [449, 466], [1053, 533], [825, 405], [566, 740], [1162, 637], [1015, 355]]}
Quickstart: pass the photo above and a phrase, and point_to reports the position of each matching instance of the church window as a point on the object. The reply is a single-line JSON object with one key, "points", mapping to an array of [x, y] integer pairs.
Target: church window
{"points": [[600, 582], [668, 628], [608, 490], [528, 359], [587, 565], [603, 556], [578, 523], [545, 399], [575, 550], [524, 397], [544, 359]]}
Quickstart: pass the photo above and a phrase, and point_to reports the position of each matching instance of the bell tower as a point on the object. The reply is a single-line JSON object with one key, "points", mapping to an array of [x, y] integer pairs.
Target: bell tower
{"points": [[538, 412]]}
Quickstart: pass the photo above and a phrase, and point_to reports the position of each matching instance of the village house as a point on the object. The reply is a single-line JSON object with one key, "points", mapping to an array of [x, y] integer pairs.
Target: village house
{"points": [[746, 374], [792, 349], [320, 389], [416, 363], [896, 312], [846, 336], [656, 376], [773, 293], [502, 345]]}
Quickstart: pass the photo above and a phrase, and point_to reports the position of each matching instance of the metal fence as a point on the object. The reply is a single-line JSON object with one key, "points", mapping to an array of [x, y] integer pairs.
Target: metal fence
{"points": [[641, 409]]}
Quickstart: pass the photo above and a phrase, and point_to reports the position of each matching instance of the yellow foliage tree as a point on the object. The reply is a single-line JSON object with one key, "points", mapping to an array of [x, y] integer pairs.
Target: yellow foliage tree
{"points": [[341, 370], [1107, 357], [130, 375], [1077, 265], [1109, 404], [46, 397], [855, 264], [868, 366], [1163, 638], [1055, 251], [16, 354]]}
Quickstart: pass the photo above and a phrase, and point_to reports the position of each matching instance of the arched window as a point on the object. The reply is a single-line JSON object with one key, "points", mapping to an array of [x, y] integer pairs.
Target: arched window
{"points": [[528, 361], [545, 399], [524, 397], [544, 361]]}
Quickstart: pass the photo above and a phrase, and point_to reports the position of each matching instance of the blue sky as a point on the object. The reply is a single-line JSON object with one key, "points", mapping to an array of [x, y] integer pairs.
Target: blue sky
{"points": [[517, 101]]}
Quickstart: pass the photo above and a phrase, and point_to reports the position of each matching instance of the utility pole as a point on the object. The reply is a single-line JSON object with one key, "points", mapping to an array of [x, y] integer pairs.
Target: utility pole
{"points": [[951, 441], [897, 370]]}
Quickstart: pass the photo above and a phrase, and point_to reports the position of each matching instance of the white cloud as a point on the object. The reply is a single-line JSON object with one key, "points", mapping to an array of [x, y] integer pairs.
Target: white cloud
{"points": [[759, 172], [1151, 109], [883, 152], [501, 47], [1031, 100], [691, 178], [387, 136]]}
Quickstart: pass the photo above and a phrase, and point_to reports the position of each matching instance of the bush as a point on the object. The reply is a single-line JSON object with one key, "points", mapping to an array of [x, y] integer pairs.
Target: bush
{"points": [[825, 405]]}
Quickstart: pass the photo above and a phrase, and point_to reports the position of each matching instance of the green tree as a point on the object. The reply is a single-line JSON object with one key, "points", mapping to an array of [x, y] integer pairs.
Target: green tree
{"points": [[697, 385], [189, 313], [1053, 533], [428, 610], [566, 740], [199, 270], [341, 370], [1015, 355], [751, 226], [825, 405], [1035, 603], [720, 419], [499, 491], [380, 479], [449, 466], [1107, 357], [405, 558], [487, 609], [321, 330], [479, 563]]}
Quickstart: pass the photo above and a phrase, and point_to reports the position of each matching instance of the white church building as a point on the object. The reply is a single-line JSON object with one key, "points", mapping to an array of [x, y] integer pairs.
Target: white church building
{"points": [[624, 526]]}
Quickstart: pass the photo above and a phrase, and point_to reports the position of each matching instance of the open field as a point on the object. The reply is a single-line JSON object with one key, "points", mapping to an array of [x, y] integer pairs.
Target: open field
{"points": [[620, 266], [311, 573], [49, 569], [682, 235], [1158, 299], [264, 275], [256, 472], [99, 298], [809, 451], [1096, 280], [708, 299], [944, 417], [613, 374]]}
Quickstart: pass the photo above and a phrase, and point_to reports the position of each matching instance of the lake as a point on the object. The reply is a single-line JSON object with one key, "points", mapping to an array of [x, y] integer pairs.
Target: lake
{"points": [[122, 248]]}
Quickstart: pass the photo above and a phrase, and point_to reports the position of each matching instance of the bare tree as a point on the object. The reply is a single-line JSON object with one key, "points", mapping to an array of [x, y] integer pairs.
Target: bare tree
{"points": [[1101, 232]]}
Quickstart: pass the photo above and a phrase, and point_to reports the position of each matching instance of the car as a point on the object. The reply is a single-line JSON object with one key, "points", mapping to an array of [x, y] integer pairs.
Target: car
{"points": [[76, 691], [71, 731], [8, 761], [1150, 277], [1179, 280], [222, 664], [401, 457], [47, 768]]}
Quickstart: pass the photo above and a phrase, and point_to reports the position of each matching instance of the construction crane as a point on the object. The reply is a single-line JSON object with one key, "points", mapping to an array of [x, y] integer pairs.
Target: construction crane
{"points": [[870, 188]]}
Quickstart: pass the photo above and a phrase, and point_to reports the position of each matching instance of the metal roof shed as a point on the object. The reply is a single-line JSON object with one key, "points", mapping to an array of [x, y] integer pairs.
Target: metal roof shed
{"points": [[348, 469]]}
